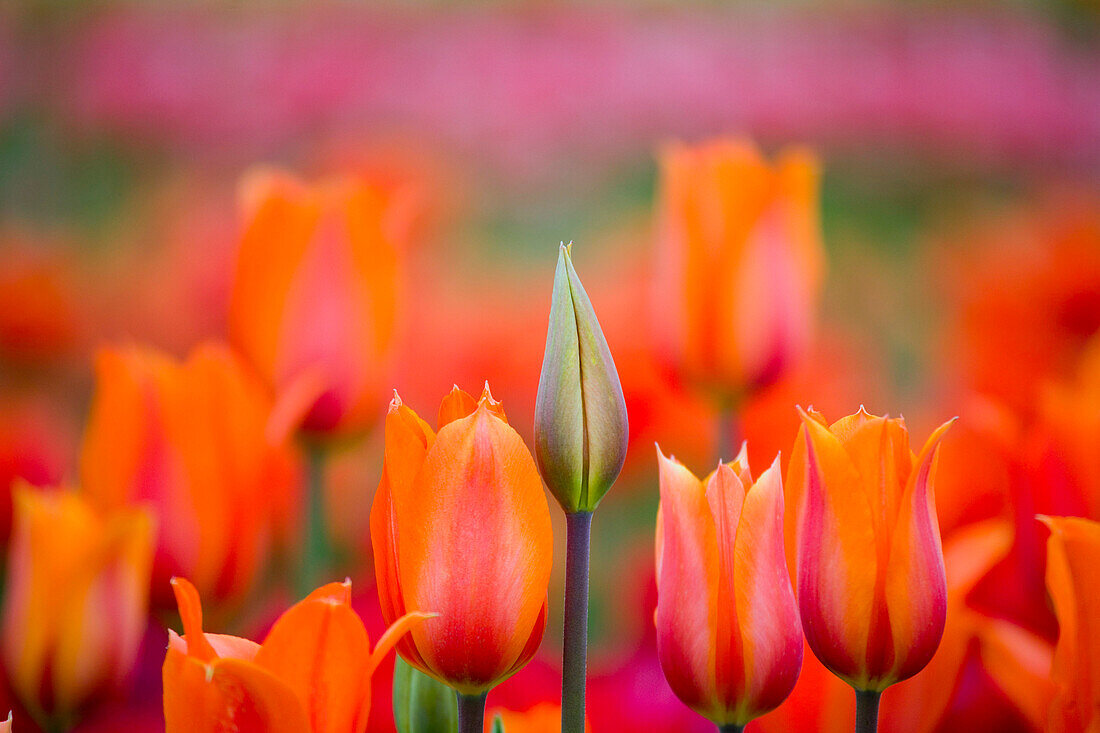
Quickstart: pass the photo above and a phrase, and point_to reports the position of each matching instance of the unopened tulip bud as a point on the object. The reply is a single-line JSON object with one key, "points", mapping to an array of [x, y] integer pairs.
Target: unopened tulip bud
{"points": [[580, 415], [421, 704]]}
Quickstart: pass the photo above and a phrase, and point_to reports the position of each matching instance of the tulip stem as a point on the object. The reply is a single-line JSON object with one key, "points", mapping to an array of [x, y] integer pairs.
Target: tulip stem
{"points": [[867, 711], [575, 654], [730, 728], [471, 713], [727, 431], [315, 553]]}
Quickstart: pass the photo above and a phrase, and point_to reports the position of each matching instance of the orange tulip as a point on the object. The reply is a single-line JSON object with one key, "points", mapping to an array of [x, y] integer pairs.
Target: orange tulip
{"points": [[188, 438], [865, 543], [460, 525], [1073, 556], [728, 635], [314, 299], [312, 672], [75, 601], [739, 262]]}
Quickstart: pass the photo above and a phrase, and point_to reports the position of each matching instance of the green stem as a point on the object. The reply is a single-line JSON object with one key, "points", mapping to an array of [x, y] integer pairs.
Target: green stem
{"points": [[730, 728], [727, 431], [867, 711], [315, 551], [471, 713], [575, 652]]}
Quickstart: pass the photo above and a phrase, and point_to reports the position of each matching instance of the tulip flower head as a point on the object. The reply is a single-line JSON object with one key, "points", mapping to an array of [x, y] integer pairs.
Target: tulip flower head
{"points": [[311, 674], [864, 540], [189, 440], [314, 300], [75, 600], [581, 427], [1073, 559], [728, 634], [460, 525], [739, 263]]}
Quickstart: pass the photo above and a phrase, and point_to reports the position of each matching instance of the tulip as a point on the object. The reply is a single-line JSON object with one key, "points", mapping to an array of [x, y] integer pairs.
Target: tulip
{"points": [[5, 726], [1073, 556], [581, 437], [544, 717], [870, 577], [314, 297], [460, 525], [75, 600], [311, 673], [739, 263], [188, 439], [728, 634]]}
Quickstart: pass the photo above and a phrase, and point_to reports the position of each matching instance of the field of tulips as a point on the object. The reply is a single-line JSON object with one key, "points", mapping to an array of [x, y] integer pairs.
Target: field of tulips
{"points": [[453, 367]]}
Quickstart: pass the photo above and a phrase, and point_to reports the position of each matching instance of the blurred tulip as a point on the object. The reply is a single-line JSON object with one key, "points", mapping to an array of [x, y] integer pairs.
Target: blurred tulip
{"points": [[865, 543], [1073, 556], [314, 302], [581, 428], [739, 263], [472, 492], [728, 633], [5, 726], [35, 445], [189, 439], [39, 311], [75, 600], [544, 717], [312, 672]]}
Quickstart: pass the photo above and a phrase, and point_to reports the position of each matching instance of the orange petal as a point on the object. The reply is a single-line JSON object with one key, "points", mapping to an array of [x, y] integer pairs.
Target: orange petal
{"points": [[190, 607], [478, 497], [455, 406]]}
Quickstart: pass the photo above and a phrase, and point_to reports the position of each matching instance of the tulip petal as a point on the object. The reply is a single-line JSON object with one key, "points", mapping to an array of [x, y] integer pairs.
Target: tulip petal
{"points": [[769, 626], [688, 587], [916, 584], [725, 496]]}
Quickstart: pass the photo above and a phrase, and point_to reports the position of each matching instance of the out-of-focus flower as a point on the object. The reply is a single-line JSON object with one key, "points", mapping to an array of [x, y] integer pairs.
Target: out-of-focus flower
{"points": [[314, 301], [75, 601], [35, 443], [739, 263], [1073, 556], [5, 726], [728, 633], [544, 717], [189, 439], [421, 704], [312, 672], [865, 544], [581, 428], [472, 491], [39, 317]]}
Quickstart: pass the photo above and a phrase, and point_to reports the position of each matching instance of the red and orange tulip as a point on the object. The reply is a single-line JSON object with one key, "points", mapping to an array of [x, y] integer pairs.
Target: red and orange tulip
{"points": [[75, 600], [189, 439], [1073, 556], [863, 537], [312, 672], [739, 262], [460, 525], [728, 634], [314, 302]]}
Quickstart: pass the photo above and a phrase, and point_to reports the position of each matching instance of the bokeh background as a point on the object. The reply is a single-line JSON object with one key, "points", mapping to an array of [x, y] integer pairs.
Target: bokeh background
{"points": [[960, 145]]}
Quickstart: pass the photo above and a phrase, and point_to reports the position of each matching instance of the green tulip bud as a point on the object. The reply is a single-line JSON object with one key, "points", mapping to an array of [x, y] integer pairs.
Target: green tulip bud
{"points": [[581, 425], [422, 704], [498, 724]]}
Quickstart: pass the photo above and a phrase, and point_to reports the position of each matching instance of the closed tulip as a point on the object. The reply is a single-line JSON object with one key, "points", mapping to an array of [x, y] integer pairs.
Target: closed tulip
{"points": [[188, 439], [460, 525], [870, 577], [1073, 556], [739, 263], [314, 301], [311, 673], [75, 600], [728, 635]]}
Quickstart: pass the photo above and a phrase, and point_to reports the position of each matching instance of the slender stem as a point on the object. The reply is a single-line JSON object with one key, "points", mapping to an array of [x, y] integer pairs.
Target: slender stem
{"points": [[471, 713], [730, 728], [315, 551], [575, 653], [727, 431], [867, 711]]}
